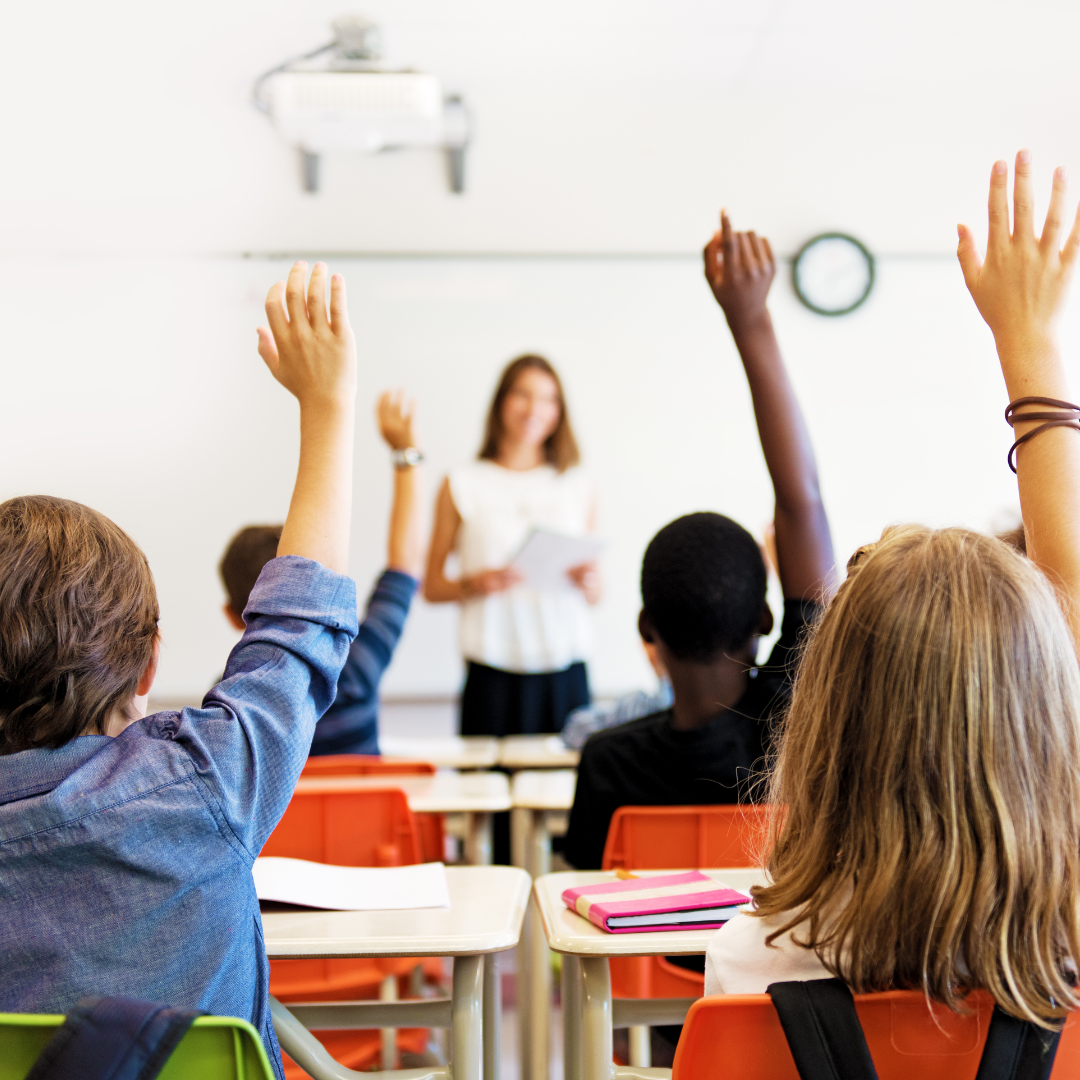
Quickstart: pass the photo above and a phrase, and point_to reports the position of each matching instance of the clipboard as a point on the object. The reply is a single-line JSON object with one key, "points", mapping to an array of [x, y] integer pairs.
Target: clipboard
{"points": [[546, 556]]}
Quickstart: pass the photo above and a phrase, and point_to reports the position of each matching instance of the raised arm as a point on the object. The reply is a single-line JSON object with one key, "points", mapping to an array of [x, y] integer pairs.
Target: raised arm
{"points": [[1020, 291], [405, 542], [739, 268], [314, 358]]}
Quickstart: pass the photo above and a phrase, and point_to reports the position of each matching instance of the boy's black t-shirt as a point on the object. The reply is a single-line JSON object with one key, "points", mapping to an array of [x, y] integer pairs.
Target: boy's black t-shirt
{"points": [[648, 762]]}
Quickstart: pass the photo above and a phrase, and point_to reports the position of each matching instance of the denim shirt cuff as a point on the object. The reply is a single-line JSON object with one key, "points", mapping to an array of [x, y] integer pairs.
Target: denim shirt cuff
{"points": [[302, 588]]}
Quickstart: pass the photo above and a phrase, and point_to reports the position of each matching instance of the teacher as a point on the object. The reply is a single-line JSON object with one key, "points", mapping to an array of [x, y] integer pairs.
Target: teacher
{"points": [[525, 648]]}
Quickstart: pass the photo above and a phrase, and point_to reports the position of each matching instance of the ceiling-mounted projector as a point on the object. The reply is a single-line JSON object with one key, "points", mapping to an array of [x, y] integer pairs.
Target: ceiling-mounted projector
{"points": [[341, 97]]}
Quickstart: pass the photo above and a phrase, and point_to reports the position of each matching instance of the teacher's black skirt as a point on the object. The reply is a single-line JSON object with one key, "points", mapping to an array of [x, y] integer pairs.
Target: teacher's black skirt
{"points": [[496, 702]]}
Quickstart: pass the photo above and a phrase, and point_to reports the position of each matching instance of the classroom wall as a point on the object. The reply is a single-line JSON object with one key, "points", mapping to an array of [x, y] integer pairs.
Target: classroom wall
{"points": [[146, 200]]}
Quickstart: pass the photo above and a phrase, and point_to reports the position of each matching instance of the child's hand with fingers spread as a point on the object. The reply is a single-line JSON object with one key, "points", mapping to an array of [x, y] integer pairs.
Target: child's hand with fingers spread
{"points": [[311, 355], [396, 412], [1020, 287], [739, 268]]}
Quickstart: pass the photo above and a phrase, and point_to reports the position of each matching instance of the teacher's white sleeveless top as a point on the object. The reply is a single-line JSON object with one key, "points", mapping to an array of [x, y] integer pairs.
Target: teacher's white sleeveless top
{"points": [[521, 629]]}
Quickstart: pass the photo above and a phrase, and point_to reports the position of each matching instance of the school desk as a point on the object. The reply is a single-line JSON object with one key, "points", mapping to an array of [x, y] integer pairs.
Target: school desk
{"points": [[589, 1014], [487, 904], [536, 752], [542, 799], [452, 752]]}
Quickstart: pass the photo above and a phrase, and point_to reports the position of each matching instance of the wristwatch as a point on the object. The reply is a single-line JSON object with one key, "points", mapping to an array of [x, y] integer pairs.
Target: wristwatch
{"points": [[406, 458]]}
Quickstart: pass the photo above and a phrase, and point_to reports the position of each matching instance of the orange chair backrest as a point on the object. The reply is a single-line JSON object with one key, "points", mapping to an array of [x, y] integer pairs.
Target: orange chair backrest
{"points": [[739, 1037], [364, 765], [348, 828], [678, 837]]}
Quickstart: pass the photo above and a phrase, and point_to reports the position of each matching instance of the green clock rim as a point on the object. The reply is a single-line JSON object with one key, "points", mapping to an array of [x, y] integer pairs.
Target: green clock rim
{"points": [[806, 247]]}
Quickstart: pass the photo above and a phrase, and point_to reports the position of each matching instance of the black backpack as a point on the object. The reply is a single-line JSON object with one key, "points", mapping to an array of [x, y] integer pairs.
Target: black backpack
{"points": [[827, 1041], [105, 1038]]}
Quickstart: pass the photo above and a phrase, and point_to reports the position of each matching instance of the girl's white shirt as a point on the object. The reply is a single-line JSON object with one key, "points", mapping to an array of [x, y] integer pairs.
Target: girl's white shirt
{"points": [[522, 629], [738, 961]]}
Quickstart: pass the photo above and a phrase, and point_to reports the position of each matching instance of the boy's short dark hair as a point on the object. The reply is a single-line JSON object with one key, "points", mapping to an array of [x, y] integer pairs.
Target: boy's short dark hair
{"points": [[78, 618], [703, 586], [248, 552]]}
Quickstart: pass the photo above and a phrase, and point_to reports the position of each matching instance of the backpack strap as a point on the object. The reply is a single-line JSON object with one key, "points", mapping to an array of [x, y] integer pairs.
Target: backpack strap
{"points": [[823, 1030], [105, 1038], [1017, 1050]]}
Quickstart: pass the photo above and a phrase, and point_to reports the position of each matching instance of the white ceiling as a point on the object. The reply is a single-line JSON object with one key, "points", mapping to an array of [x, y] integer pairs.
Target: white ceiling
{"points": [[601, 126]]}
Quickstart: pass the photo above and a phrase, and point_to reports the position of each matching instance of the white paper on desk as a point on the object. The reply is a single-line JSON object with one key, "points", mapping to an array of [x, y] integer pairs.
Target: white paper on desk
{"points": [[546, 556], [350, 888]]}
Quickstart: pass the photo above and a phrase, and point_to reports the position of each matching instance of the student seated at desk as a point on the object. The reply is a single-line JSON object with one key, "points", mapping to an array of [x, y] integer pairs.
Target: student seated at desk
{"points": [[351, 724], [126, 840], [928, 768], [703, 594]]}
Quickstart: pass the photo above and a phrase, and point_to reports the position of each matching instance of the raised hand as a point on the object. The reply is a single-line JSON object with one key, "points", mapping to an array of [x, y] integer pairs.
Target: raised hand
{"points": [[396, 412], [1020, 287], [313, 356], [739, 267]]}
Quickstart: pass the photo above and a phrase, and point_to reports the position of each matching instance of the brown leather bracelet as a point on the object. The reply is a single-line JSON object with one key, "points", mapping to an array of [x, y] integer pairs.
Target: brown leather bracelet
{"points": [[1054, 403], [1054, 419], [1074, 422]]}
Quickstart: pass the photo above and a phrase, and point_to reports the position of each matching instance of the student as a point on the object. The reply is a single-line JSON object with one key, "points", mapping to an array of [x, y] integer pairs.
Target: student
{"points": [[703, 594], [126, 840], [928, 768], [589, 719], [351, 724]]}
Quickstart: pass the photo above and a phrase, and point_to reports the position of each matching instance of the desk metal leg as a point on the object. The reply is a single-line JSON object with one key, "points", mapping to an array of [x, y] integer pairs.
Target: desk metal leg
{"points": [[467, 1008], [478, 840], [388, 992], [538, 971], [640, 1045], [492, 1016], [571, 1012], [596, 1049]]}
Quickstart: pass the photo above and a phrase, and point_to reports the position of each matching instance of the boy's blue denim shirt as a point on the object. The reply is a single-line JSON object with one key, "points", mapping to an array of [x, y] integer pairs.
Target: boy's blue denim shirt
{"points": [[125, 863]]}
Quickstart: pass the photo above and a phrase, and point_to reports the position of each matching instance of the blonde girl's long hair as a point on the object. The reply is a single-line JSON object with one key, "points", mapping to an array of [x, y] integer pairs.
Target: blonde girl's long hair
{"points": [[929, 771]]}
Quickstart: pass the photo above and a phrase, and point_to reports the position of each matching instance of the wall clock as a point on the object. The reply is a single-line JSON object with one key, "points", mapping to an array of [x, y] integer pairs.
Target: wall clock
{"points": [[833, 273]]}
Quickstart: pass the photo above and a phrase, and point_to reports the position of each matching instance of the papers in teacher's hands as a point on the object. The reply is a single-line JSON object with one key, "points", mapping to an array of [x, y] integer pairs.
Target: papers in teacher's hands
{"points": [[350, 888], [546, 556]]}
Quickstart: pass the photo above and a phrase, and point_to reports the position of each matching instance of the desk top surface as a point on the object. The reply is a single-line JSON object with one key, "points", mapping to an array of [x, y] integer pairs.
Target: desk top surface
{"points": [[447, 792], [543, 789], [568, 932], [536, 752], [452, 752], [487, 904]]}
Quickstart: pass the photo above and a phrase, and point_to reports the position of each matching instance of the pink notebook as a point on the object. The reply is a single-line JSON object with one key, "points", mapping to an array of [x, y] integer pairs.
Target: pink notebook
{"points": [[687, 901]]}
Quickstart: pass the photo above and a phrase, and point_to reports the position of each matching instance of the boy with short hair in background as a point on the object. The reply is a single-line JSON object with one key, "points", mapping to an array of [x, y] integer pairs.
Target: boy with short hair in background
{"points": [[703, 583]]}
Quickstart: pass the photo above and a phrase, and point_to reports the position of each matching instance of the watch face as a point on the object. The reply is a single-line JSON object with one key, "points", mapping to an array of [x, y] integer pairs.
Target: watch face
{"points": [[833, 274]]}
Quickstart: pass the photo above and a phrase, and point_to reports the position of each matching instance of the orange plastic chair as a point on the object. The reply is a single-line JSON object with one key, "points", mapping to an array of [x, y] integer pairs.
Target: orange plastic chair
{"points": [[429, 826], [374, 827], [675, 837], [739, 1037]]}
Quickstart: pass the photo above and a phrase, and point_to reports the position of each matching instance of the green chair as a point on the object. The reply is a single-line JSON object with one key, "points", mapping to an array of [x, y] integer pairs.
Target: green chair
{"points": [[215, 1048]]}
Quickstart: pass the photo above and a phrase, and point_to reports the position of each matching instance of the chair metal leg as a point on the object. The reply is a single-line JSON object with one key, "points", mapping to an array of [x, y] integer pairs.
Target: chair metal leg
{"points": [[492, 1016], [467, 1061], [640, 1046]]}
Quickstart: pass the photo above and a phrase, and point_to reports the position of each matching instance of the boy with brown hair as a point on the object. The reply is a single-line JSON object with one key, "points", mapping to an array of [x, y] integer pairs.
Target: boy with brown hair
{"points": [[351, 724], [126, 840]]}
